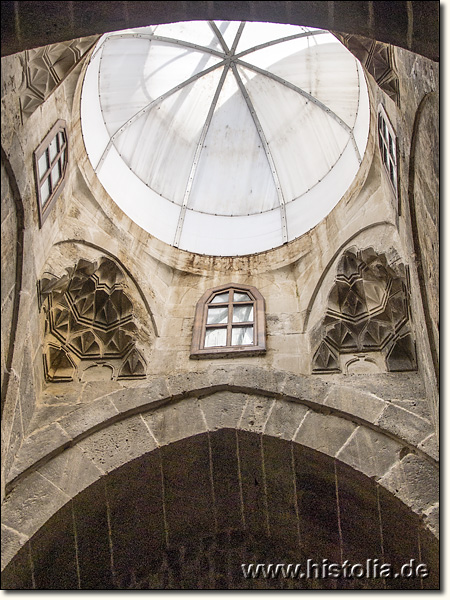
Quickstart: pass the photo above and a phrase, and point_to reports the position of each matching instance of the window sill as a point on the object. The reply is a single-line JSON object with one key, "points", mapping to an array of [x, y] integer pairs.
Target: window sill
{"points": [[227, 352]]}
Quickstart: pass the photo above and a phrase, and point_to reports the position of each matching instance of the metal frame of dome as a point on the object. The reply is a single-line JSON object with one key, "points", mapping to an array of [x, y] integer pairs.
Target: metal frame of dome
{"points": [[177, 220]]}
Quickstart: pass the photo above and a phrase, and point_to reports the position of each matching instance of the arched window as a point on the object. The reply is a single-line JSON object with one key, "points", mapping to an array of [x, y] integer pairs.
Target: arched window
{"points": [[50, 161], [229, 321]]}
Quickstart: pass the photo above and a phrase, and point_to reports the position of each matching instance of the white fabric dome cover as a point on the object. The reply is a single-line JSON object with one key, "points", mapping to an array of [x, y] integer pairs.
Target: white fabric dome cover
{"points": [[225, 138]]}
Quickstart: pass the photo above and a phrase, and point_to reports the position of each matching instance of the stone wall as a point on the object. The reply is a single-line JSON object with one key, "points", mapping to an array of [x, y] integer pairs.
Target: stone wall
{"points": [[373, 433], [409, 25], [279, 474]]}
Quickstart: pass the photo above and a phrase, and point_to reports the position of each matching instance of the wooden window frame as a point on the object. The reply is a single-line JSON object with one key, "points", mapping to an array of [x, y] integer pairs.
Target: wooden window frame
{"points": [[198, 349], [389, 159], [44, 208]]}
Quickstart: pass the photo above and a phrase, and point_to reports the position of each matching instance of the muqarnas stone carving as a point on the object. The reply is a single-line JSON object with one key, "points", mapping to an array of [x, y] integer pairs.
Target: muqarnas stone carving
{"points": [[89, 325], [367, 326], [378, 59], [45, 68]]}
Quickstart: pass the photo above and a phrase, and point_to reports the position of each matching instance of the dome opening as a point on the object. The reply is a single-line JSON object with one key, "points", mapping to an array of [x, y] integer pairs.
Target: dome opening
{"points": [[225, 138]]}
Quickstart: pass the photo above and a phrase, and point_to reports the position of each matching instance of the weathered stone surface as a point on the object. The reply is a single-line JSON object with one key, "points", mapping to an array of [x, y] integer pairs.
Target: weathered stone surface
{"points": [[418, 406], [121, 442], [370, 452], [180, 385], [223, 409], [284, 419], [388, 386], [87, 417], [404, 424], [432, 520], [430, 446], [71, 471], [325, 433], [305, 388], [37, 446], [176, 421], [355, 402], [256, 412], [29, 505], [134, 397], [12, 541], [415, 481]]}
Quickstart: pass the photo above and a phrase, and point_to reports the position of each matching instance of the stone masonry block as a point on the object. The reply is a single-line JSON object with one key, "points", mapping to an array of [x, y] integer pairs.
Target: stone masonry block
{"points": [[12, 541], [430, 446], [355, 402], [432, 520], [31, 503], [255, 414], [285, 419], [370, 452], [184, 383], [89, 416], [119, 443], [36, 447], [415, 481], [176, 421], [223, 409], [404, 424], [71, 471], [134, 397], [305, 388], [325, 433]]}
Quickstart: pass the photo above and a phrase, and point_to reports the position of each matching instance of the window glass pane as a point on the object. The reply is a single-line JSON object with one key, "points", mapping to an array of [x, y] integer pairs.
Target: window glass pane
{"points": [[241, 336], [45, 191], [43, 164], [61, 139], [216, 337], [56, 174], [241, 297], [392, 174], [218, 315], [53, 149], [220, 298], [391, 146], [63, 158], [242, 313]]}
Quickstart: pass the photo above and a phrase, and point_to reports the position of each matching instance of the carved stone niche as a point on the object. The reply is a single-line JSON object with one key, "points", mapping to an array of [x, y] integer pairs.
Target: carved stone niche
{"points": [[89, 330], [378, 59], [367, 327], [46, 67]]}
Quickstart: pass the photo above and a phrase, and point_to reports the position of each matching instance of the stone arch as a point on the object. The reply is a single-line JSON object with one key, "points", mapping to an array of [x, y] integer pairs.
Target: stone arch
{"points": [[17, 213], [240, 497], [283, 408], [422, 232], [22, 27]]}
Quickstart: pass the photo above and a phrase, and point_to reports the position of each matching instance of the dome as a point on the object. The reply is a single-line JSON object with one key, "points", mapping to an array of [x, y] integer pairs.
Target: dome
{"points": [[225, 138]]}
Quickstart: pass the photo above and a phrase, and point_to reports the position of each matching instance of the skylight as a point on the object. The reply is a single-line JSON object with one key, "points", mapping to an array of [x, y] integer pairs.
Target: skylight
{"points": [[225, 138]]}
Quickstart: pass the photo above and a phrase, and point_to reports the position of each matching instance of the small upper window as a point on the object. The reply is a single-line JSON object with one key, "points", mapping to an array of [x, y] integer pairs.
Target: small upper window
{"points": [[388, 147], [229, 320], [50, 162]]}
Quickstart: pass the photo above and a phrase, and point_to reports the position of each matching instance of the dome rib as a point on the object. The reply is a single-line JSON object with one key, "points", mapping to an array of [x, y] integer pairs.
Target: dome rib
{"points": [[309, 97], [151, 104], [287, 38], [269, 156], [198, 150]]}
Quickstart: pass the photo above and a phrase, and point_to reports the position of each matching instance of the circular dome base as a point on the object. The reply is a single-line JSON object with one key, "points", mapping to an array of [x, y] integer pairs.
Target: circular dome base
{"points": [[225, 138]]}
